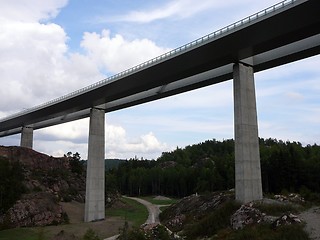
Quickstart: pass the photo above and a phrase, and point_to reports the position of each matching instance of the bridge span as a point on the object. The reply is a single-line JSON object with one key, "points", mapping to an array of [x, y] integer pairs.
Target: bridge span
{"points": [[283, 33]]}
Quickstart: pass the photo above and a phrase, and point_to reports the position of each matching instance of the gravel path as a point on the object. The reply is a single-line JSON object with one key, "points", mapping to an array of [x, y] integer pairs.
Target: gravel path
{"points": [[312, 219], [153, 210]]}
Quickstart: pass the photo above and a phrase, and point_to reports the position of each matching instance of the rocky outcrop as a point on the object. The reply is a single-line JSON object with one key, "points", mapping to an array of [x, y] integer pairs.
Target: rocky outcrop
{"points": [[48, 181], [194, 206], [246, 215], [197, 212], [44, 173], [286, 219], [38, 209], [291, 197], [33, 159]]}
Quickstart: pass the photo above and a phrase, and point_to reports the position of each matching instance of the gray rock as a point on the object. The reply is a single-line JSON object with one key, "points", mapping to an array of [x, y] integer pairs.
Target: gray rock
{"points": [[246, 215]]}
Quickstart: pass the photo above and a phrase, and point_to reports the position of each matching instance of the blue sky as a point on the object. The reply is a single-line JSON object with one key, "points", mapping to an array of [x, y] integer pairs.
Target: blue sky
{"points": [[53, 47]]}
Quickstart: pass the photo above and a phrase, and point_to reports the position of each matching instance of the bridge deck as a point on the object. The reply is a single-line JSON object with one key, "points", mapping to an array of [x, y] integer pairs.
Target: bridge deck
{"points": [[283, 33]]}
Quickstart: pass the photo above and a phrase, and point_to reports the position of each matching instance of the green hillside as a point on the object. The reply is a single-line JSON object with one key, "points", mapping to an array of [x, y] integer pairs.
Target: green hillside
{"points": [[209, 166]]}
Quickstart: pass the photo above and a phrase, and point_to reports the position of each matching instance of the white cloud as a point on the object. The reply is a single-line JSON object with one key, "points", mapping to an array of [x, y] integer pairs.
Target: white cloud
{"points": [[36, 66], [178, 9], [30, 10], [73, 136], [76, 131], [116, 54], [118, 145], [181, 9]]}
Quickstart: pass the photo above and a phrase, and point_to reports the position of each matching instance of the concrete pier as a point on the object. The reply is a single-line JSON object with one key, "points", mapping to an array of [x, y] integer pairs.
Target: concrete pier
{"points": [[95, 193], [247, 155], [26, 137]]}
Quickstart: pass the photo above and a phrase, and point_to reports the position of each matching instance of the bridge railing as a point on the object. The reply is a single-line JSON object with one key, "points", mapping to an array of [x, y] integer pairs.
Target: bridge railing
{"points": [[187, 47]]}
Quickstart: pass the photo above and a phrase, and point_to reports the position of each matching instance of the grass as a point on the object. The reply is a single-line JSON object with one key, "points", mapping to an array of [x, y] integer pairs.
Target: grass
{"points": [[22, 233], [160, 202], [277, 209], [106, 228], [265, 232], [132, 211], [213, 222]]}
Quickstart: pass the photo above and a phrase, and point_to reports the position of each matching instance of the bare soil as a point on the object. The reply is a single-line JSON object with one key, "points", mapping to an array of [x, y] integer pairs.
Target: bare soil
{"points": [[106, 228]]}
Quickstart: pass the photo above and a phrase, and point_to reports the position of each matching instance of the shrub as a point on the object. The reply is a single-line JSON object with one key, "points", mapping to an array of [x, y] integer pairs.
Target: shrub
{"points": [[276, 209], [209, 225], [265, 232], [90, 235]]}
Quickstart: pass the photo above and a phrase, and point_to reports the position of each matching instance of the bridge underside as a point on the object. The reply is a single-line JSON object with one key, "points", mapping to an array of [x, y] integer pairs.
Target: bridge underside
{"points": [[289, 34]]}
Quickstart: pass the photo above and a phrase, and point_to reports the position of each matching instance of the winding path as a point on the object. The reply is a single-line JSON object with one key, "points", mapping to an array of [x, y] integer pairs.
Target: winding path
{"points": [[153, 210], [312, 219]]}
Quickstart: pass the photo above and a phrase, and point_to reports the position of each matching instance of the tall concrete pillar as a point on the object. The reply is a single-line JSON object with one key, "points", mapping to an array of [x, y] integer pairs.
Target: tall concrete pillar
{"points": [[247, 156], [95, 195], [26, 137]]}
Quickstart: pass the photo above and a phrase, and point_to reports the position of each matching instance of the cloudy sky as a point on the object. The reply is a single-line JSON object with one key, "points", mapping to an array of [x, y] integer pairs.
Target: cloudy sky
{"points": [[53, 47]]}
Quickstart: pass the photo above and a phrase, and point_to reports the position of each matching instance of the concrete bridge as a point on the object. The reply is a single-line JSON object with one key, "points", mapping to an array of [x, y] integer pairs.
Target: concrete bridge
{"points": [[286, 32]]}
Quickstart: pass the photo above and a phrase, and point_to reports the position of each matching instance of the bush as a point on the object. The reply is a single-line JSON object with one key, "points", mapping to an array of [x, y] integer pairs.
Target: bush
{"points": [[90, 235], [265, 232], [209, 225], [276, 209], [308, 195]]}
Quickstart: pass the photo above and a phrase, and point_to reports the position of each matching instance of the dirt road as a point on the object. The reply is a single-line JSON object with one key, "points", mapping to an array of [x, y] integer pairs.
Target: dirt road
{"points": [[153, 210], [312, 219]]}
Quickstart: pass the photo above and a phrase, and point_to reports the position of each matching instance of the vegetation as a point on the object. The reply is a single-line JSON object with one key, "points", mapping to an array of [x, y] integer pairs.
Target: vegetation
{"points": [[11, 184], [278, 209], [214, 221], [209, 166], [21, 233], [159, 232], [39, 234], [265, 232], [160, 202], [130, 210], [90, 235], [201, 168]]}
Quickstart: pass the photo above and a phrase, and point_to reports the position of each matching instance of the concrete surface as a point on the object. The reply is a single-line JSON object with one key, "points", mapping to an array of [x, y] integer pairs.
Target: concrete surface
{"points": [[95, 196], [247, 157]]}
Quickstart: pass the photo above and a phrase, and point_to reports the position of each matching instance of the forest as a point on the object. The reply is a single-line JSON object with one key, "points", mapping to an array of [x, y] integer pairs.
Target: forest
{"points": [[209, 166]]}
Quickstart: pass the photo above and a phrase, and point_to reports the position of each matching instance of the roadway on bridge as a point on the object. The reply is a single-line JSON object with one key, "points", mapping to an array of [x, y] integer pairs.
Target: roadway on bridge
{"points": [[278, 35]]}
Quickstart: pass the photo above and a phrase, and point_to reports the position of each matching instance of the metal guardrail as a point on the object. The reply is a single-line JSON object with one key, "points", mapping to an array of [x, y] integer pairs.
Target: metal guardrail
{"points": [[187, 47]]}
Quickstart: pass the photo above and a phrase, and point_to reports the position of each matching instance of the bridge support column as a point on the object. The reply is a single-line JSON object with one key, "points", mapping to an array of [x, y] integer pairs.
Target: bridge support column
{"points": [[247, 155], [95, 192], [26, 137]]}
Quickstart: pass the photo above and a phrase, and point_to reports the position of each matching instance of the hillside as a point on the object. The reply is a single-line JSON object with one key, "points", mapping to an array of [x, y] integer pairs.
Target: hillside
{"points": [[209, 166], [33, 184], [218, 216]]}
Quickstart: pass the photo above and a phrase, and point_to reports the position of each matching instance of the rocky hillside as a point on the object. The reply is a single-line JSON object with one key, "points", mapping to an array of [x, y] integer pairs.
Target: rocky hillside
{"points": [[46, 181], [219, 216]]}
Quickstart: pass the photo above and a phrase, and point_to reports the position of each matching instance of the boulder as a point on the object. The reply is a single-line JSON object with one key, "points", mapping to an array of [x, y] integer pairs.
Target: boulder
{"points": [[246, 215], [192, 208], [286, 219], [36, 209]]}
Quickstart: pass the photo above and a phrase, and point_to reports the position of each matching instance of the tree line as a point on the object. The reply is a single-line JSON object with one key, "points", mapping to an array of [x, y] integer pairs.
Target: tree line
{"points": [[209, 166]]}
